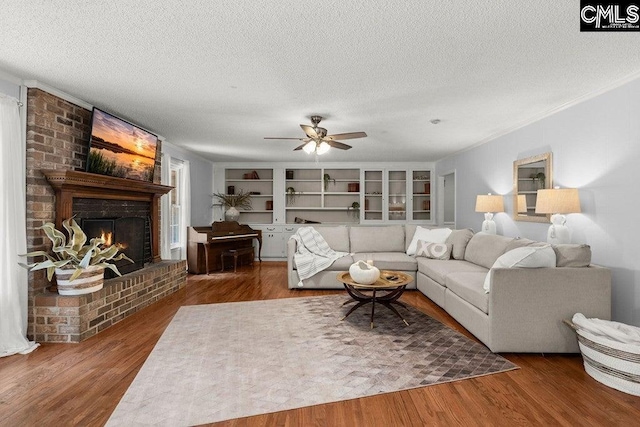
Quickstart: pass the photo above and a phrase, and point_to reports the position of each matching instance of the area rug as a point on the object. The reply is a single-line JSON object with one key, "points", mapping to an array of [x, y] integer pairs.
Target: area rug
{"points": [[222, 361]]}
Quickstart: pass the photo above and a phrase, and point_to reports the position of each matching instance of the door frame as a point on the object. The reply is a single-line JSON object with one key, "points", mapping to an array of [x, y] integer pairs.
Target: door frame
{"points": [[440, 197]]}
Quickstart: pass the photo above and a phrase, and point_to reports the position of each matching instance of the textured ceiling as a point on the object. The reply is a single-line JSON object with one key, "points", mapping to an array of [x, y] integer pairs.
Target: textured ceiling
{"points": [[217, 76]]}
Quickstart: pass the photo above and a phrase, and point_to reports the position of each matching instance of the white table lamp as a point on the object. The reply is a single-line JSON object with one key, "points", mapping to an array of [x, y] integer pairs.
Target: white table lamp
{"points": [[489, 203], [558, 201]]}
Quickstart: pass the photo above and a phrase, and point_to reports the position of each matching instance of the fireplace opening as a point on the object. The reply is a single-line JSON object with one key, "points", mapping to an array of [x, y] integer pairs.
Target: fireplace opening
{"points": [[131, 234]]}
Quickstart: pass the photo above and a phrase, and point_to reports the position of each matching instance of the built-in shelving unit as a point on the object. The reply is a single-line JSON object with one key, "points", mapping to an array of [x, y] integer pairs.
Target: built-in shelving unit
{"points": [[293, 195], [322, 195], [382, 193], [259, 182]]}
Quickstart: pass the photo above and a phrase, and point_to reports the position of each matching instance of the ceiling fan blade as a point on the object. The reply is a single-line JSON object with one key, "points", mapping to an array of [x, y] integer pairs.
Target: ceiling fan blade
{"points": [[338, 144], [311, 132], [275, 137], [350, 135], [300, 147]]}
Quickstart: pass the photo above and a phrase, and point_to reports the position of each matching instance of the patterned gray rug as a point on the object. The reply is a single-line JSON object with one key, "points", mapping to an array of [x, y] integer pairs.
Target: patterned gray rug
{"points": [[221, 361]]}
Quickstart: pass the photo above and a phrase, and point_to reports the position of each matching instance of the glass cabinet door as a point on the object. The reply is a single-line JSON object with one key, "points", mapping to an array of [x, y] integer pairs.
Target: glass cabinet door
{"points": [[373, 197], [397, 195], [421, 210]]}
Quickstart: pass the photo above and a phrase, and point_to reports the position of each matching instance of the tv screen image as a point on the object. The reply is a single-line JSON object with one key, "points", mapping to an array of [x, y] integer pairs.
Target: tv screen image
{"points": [[120, 149]]}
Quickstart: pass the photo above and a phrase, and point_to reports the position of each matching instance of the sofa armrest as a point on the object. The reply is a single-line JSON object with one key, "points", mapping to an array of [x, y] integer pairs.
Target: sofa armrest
{"points": [[527, 306]]}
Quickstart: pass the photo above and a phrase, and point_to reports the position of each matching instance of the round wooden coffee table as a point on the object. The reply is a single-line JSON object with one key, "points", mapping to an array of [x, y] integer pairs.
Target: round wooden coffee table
{"points": [[386, 291]]}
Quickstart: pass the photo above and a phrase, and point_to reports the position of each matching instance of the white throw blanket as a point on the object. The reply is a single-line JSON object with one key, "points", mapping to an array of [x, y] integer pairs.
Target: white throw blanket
{"points": [[313, 253], [608, 330]]}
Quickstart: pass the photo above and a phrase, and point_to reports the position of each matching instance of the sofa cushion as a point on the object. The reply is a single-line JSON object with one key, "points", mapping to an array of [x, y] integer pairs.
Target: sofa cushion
{"points": [[389, 260], [433, 250], [377, 239], [468, 286], [409, 231], [341, 264], [438, 269], [568, 255], [527, 256], [484, 249], [435, 235], [459, 239], [337, 236]]}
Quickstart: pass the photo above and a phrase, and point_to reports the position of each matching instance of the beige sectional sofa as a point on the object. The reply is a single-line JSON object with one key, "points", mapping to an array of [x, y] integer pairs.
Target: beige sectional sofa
{"points": [[385, 245], [525, 308]]}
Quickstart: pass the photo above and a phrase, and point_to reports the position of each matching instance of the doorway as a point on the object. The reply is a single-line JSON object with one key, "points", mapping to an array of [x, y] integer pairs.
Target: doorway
{"points": [[447, 199]]}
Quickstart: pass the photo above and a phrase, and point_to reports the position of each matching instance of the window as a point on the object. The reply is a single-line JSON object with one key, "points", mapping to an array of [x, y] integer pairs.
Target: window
{"points": [[177, 208]]}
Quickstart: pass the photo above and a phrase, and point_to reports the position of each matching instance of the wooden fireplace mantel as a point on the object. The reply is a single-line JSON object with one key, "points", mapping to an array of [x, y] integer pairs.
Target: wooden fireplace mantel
{"points": [[69, 184]]}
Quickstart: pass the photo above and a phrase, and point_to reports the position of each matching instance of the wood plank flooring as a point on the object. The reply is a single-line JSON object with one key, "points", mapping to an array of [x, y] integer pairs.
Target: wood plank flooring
{"points": [[81, 384]]}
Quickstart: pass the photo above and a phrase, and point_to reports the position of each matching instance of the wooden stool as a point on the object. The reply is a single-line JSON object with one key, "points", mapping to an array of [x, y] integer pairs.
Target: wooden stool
{"points": [[235, 253]]}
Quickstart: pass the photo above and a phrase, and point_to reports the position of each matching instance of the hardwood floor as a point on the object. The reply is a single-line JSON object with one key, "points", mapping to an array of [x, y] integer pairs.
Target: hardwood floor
{"points": [[81, 384]]}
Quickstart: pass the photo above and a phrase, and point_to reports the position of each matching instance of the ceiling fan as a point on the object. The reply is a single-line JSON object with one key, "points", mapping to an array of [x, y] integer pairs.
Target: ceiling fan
{"points": [[317, 139]]}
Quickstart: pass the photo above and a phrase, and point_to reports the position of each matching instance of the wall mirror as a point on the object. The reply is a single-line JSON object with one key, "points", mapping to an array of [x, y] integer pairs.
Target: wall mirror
{"points": [[529, 176]]}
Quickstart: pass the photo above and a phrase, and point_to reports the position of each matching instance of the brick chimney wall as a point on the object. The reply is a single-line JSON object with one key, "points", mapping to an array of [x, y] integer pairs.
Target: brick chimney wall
{"points": [[58, 134]]}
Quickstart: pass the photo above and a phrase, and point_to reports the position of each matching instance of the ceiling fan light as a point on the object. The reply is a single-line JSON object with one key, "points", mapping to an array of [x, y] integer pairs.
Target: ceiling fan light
{"points": [[323, 148], [309, 147]]}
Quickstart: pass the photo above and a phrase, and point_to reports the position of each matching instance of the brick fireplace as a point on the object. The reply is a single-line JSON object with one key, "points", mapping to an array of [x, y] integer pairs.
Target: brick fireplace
{"points": [[58, 135]]}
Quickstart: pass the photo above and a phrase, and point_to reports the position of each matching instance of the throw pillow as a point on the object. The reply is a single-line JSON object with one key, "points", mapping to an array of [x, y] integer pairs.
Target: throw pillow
{"points": [[436, 235], [527, 257], [572, 255], [433, 250], [459, 239]]}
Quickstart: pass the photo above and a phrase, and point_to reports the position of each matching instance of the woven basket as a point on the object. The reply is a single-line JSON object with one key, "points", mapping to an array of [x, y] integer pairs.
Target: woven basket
{"points": [[612, 363], [91, 280]]}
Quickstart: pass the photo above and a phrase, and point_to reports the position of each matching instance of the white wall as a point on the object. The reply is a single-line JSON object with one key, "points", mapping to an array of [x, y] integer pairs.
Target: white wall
{"points": [[9, 88], [449, 198], [201, 183], [596, 148]]}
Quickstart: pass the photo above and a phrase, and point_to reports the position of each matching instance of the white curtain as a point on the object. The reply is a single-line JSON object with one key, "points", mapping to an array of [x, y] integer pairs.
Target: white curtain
{"points": [[13, 239], [186, 211], [165, 205]]}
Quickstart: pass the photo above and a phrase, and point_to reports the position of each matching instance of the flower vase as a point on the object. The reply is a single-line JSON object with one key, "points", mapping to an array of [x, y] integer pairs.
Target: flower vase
{"points": [[232, 214]]}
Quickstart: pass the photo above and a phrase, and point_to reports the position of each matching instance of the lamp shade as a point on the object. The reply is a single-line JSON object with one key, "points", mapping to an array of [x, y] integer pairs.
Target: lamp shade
{"points": [[521, 203], [309, 147], [558, 201], [489, 203], [322, 148]]}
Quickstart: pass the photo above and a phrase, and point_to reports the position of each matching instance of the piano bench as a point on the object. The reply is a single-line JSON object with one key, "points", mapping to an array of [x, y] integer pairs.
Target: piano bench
{"points": [[235, 253]]}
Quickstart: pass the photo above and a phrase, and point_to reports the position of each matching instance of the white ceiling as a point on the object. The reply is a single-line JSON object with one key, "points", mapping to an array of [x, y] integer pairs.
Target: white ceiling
{"points": [[217, 76]]}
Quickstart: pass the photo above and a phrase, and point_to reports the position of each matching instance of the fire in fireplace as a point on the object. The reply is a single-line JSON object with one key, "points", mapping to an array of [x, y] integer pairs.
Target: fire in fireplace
{"points": [[131, 234]]}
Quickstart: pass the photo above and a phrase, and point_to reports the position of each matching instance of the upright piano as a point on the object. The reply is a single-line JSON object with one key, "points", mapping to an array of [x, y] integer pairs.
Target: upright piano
{"points": [[205, 244]]}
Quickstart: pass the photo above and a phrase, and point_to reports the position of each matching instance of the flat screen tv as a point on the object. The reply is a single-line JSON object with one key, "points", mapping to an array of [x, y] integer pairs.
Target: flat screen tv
{"points": [[121, 149]]}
